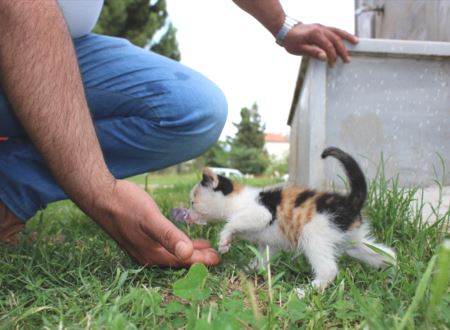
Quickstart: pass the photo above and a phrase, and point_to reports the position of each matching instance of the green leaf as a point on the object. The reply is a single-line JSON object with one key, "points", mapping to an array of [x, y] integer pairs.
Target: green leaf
{"points": [[191, 317], [119, 322], [439, 285], [419, 295], [175, 307], [191, 287], [226, 321], [296, 309], [122, 278], [202, 325], [178, 323]]}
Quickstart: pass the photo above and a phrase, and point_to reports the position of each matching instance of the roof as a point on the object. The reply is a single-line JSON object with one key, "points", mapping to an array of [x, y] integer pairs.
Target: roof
{"points": [[272, 137]]}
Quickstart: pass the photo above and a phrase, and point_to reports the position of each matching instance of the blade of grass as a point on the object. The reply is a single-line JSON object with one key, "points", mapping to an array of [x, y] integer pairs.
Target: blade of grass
{"points": [[420, 292]]}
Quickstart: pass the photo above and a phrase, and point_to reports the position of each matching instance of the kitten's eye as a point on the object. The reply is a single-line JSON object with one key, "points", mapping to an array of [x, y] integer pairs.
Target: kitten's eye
{"points": [[192, 203]]}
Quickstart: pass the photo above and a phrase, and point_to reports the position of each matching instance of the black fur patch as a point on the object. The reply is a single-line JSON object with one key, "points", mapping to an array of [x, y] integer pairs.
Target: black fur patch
{"points": [[225, 185], [303, 197], [358, 184], [340, 209], [271, 199], [206, 180]]}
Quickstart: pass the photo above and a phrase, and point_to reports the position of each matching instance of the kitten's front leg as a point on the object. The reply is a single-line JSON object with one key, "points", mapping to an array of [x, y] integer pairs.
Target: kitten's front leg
{"points": [[246, 221], [225, 241]]}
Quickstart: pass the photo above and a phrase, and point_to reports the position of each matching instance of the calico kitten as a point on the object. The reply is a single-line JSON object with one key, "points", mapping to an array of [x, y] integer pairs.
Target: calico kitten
{"points": [[322, 225]]}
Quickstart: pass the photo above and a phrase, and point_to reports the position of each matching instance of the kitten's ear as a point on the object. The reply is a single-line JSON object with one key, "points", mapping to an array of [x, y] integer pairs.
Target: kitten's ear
{"points": [[209, 179]]}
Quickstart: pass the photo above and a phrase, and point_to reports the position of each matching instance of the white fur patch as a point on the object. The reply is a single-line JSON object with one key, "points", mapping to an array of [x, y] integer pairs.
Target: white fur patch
{"points": [[360, 245], [320, 242]]}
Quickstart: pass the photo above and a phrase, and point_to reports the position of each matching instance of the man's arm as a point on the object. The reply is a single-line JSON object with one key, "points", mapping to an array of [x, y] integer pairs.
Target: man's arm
{"points": [[40, 75], [325, 43]]}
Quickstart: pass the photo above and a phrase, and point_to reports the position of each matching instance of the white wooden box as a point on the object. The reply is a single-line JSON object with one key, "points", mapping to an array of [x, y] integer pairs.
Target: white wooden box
{"points": [[393, 99]]}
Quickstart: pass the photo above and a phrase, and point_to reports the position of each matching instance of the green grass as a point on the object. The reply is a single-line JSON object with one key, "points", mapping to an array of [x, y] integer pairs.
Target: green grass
{"points": [[87, 282]]}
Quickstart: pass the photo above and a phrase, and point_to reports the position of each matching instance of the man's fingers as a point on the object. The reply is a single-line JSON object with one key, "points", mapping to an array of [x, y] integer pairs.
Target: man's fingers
{"points": [[207, 257], [201, 244], [169, 236], [313, 51], [320, 39], [338, 45], [345, 35]]}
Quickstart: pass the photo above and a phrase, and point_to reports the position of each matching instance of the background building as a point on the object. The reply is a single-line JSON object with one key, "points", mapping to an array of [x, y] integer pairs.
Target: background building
{"points": [[277, 145]]}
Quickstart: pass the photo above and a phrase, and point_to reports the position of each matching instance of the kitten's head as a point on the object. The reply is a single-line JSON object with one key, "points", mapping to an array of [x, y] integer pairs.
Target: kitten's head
{"points": [[210, 197]]}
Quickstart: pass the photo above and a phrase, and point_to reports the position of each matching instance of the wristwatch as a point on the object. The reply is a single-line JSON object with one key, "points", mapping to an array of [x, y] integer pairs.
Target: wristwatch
{"points": [[288, 24]]}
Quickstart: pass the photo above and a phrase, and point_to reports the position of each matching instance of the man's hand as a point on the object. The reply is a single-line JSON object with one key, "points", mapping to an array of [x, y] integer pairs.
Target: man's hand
{"points": [[136, 224], [318, 41], [315, 40]]}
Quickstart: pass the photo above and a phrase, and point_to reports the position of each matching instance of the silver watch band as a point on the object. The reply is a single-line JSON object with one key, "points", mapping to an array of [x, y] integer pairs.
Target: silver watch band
{"points": [[288, 24]]}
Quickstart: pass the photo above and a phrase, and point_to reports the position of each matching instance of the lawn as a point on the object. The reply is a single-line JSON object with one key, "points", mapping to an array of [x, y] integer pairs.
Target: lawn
{"points": [[86, 281]]}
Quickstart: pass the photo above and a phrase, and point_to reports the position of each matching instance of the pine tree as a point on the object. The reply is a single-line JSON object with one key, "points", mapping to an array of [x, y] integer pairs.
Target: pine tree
{"points": [[217, 155], [250, 131], [140, 21], [247, 147]]}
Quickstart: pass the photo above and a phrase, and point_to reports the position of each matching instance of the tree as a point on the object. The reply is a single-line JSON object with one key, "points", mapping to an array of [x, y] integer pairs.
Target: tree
{"points": [[250, 131], [143, 22], [217, 155], [278, 166], [247, 152]]}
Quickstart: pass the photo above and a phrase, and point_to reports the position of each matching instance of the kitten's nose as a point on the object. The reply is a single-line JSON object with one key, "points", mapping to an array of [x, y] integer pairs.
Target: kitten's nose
{"points": [[194, 217]]}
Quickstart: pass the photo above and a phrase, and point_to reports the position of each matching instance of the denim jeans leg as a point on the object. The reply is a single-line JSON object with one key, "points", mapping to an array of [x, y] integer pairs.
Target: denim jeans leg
{"points": [[149, 112]]}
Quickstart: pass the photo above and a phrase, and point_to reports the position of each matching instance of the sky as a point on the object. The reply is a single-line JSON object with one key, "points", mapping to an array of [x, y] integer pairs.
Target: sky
{"points": [[232, 49]]}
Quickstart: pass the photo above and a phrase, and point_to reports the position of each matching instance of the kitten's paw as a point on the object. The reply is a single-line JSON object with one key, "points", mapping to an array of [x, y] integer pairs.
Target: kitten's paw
{"points": [[319, 285], [225, 241], [389, 259], [314, 286], [224, 245], [300, 292]]}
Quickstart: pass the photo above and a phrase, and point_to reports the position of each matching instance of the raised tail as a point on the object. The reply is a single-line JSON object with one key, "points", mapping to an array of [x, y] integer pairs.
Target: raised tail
{"points": [[358, 186]]}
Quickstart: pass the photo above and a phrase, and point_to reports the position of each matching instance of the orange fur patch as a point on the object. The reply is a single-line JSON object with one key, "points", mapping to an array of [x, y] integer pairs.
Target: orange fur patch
{"points": [[356, 224], [237, 188], [291, 219]]}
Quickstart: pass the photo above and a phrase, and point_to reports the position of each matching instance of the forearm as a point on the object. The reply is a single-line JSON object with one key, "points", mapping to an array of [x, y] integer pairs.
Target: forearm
{"points": [[268, 12], [40, 74]]}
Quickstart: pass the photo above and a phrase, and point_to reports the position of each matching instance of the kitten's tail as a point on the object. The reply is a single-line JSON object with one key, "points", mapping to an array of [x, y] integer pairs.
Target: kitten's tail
{"points": [[358, 187]]}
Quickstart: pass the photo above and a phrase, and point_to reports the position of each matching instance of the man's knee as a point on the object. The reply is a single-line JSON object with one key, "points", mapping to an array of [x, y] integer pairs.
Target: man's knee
{"points": [[199, 113], [212, 113]]}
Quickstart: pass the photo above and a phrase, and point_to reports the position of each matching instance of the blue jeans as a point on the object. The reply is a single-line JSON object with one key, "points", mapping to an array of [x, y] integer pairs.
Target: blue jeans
{"points": [[149, 112]]}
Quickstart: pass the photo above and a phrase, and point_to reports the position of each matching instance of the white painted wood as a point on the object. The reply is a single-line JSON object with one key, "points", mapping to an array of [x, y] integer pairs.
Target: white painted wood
{"points": [[403, 19], [393, 99], [402, 48], [317, 109]]}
